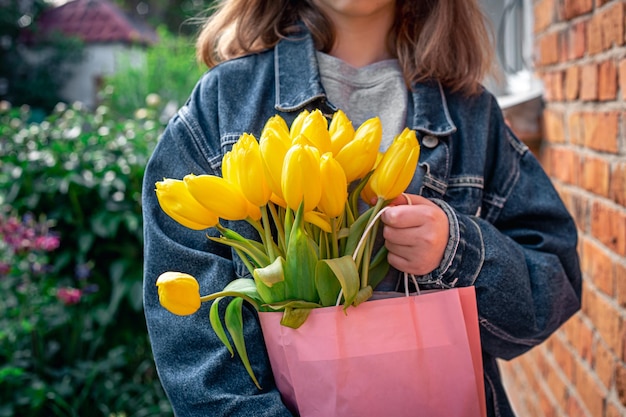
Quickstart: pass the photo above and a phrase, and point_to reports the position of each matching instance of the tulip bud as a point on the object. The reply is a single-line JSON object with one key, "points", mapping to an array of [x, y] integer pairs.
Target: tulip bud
{"points": [[273, 147], [315, 128], [296, 125], [279, 127], [179, 293], [395, 171], [359, 155], [247, 165], [341, 131], [335, 186], [218, 195], [176, 201], [301, 177]]}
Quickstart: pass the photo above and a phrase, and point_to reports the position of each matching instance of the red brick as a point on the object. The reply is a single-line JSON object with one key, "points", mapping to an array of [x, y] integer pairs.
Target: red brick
{"points": [[589, 82], [601, 131], [607, 321], [548, 49], [618, 183], [544, 11], [607, 81], [613, 26], [622, 77], [572, 82], [592, 394], [595, 175], [609, 226], [620, 383], [620, 284], [554, 126], [573, 408], [598, 266], [594, 35], [564, 359], [577, 39], [573, 8], [575, 127], [565, 165], [604, 365]]}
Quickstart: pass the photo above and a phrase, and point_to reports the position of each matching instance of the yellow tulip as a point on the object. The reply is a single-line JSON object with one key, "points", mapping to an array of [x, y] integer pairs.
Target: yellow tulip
{"points": [[315, 128], [367, 194], [279, 127], [179, 293], [396, 169], [296, 125], [301, 177], [218, 195], [176, 202], [247, 165], [273, 148], [341, 131], [358, 156], [335, 185]]}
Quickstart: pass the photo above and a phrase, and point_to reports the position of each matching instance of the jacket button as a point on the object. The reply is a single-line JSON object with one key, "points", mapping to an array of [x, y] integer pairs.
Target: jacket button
{"points": [[430, 141]]}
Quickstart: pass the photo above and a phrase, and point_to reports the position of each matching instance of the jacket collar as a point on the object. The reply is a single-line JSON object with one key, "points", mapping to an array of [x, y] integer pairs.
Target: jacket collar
{"points": [[298, 84]]}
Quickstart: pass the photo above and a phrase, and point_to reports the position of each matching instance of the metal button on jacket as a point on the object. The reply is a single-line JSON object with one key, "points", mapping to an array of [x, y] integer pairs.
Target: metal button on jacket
{"points": [[430, 141]]}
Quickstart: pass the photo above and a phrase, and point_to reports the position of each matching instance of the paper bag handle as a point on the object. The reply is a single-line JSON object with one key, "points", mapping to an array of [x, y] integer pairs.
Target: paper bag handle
{"points": [[362, 240]]}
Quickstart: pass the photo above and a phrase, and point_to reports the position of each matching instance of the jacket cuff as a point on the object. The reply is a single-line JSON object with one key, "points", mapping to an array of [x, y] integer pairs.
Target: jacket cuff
{"points": [[464, 254]]}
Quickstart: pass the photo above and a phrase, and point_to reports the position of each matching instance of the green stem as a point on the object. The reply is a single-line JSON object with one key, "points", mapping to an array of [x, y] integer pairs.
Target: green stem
{"points": [[334, 242], [268, 240], [280, 230]]}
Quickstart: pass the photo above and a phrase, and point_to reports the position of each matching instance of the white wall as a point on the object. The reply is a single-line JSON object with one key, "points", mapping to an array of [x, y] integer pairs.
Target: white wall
{"points": [[100, 60]]}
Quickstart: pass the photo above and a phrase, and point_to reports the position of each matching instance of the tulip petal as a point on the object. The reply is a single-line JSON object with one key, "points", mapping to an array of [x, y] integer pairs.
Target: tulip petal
{"points": [[341, 131], [176, 201], [218, 195], [179, 293]]}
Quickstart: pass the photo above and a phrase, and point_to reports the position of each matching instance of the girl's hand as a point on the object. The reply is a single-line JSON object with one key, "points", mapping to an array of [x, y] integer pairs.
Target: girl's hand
{"points": [[416, 235]]}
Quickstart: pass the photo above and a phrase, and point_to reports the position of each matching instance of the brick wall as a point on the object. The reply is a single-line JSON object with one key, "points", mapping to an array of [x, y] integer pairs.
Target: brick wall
{"points": [[580, 54]]}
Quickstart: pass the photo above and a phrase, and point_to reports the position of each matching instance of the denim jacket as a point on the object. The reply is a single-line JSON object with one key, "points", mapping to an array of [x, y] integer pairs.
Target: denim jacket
{"points": [[510, 235]]}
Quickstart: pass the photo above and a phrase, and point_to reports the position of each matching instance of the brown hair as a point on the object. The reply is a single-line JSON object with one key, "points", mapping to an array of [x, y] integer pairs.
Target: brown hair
{"points": [[447, 40]]}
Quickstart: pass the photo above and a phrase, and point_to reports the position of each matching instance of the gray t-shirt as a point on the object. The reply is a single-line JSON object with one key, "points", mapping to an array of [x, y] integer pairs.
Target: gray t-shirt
{"points": [[377, 89]]}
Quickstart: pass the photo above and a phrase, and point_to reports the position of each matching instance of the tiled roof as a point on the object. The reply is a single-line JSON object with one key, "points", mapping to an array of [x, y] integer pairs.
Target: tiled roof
{"points": [[95, 21]]}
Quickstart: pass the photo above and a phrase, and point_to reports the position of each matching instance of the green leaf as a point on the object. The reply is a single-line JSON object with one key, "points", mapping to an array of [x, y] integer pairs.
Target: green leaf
{"points": [[333, 275], [249, 247], [234, 324], [300, 263], [244, 288], [295, 317], [356, 231], [216, 323], [363, 295], [283, 305], [270, 281], [379, 267]]}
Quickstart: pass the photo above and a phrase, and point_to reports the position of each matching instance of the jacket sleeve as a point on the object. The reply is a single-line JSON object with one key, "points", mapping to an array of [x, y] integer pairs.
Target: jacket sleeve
{"points": [[197, 372], [519, 250]]}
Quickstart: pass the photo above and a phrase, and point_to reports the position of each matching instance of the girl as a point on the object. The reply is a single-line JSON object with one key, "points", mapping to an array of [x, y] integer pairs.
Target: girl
{"points": [[483, 212]]}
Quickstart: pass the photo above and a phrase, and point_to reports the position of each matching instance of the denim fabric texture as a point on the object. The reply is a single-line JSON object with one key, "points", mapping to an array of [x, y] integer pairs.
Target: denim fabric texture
{"points": [[510, 235]]}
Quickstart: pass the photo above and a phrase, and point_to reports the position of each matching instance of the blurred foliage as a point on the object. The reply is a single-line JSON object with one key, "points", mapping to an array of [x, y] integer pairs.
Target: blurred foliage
{"points": [[73, 340], [169, 74], [33, 75]]}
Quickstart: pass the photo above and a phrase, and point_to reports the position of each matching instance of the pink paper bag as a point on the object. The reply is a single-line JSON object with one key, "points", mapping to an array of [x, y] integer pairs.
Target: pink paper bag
{"points": [[406, 356]]}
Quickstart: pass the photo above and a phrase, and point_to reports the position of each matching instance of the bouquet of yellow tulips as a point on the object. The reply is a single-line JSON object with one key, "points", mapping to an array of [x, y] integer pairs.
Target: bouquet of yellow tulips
{"points": [[299, 186]]}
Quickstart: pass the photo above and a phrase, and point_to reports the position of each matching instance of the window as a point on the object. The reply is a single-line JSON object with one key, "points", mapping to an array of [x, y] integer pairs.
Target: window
{"points": [[512, 22]]}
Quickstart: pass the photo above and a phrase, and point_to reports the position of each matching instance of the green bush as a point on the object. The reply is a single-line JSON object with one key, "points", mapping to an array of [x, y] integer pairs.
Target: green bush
{"points": [[73, 340], [170, 71]]}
